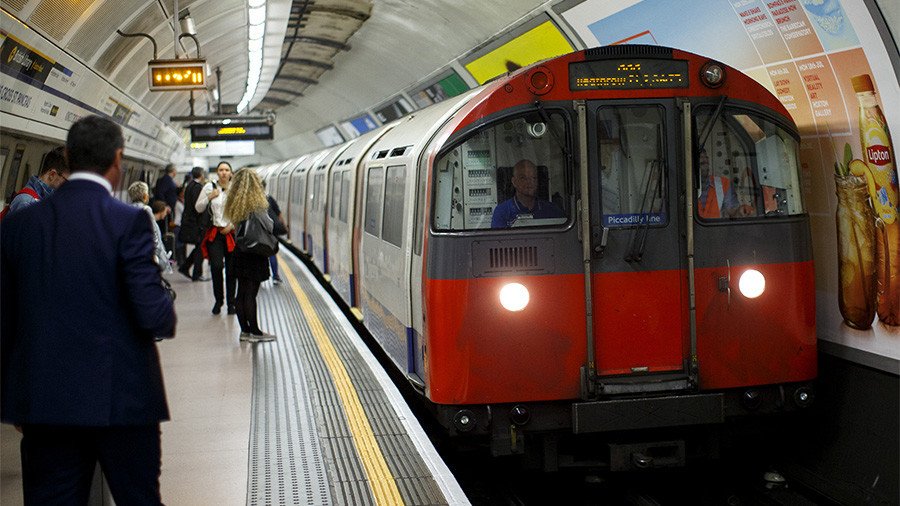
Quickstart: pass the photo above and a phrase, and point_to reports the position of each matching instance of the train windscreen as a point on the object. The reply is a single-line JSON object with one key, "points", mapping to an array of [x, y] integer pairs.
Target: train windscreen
{"points": [[746, 166], [513, 173]]}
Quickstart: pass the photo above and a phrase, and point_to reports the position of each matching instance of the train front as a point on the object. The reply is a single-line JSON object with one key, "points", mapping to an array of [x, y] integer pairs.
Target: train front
{"points": [[618, 242]]}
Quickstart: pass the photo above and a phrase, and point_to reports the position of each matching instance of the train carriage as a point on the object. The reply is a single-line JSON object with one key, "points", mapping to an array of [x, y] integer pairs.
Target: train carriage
{"points": [[345, 182], [611, 240], [317, 213]]}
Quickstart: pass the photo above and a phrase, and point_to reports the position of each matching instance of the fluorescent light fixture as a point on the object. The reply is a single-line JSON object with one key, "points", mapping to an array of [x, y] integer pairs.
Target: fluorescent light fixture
{"points": [[257, 31], [256, 15]]}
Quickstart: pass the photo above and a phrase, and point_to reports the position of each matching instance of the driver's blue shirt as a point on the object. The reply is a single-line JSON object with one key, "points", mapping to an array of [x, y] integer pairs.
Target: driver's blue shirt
{"points": [[506, 213]]}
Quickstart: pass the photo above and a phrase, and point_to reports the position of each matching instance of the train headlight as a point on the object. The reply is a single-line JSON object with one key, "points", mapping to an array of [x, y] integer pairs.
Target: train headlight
{"points": [[752, 283], [514, 296]]}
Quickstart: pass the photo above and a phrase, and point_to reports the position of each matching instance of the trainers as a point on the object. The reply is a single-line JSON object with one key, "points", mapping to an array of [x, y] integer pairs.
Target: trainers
{"points": [[246, 336], [257, 338], [276, 281]]}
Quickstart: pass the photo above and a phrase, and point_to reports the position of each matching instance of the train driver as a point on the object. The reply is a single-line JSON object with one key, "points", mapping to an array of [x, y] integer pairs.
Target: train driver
{"points": [[525, 202], [717, 197]]}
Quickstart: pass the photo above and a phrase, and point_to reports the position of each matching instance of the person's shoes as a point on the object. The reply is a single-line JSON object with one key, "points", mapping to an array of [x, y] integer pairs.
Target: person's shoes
{"points": [[203, 278], [261, 337], [232, 309], [186, 273], [276, 281], [217, 309], [246, 336]]}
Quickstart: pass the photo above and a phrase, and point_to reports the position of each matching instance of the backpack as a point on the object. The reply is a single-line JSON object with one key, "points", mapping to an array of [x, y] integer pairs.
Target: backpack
{"points": [[254, 235], [27, 191]]}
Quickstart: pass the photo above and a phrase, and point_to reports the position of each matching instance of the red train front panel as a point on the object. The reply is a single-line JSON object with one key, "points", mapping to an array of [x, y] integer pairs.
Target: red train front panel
{"points": [[477, 351]]}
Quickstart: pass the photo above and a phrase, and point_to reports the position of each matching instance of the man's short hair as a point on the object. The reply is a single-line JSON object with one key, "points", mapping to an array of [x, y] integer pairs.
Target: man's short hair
{"points": [[197, 172], [137, 190], [92, 144], [55, 159], [171, 169], [157, 206]]}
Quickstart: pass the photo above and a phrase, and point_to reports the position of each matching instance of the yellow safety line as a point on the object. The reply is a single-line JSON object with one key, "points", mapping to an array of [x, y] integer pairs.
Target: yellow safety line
{"points": [[384, 485]]}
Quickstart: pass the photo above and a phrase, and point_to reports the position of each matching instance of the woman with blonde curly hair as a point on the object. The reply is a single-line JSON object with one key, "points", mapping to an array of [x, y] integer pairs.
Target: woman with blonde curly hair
{"points": [[245, 197]]}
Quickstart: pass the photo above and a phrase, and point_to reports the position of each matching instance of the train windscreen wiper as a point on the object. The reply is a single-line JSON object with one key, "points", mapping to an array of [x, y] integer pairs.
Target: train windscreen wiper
{"points": [[707, 129]]}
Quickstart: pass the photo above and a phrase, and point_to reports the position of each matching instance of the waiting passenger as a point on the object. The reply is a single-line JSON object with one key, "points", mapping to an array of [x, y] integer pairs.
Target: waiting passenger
{"points": [[54, 172], [193, 227], [139, 194], [525, 202], [218, 243], [83, 379], [718, 197], [279, 229], [247, 197]]}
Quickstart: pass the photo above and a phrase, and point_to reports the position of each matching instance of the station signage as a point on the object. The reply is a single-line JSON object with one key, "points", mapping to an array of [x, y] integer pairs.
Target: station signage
{"points": [[232, 132], [176, 75]]}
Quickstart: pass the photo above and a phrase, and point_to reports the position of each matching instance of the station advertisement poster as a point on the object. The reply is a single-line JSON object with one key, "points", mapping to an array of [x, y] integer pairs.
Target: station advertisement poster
{"points": [[354, 127], [819, 57], [541, 42]]}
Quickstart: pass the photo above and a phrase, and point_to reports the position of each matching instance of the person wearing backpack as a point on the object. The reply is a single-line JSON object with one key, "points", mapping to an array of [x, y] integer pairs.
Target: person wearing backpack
{"points": [[54, 172], [246, 206]]}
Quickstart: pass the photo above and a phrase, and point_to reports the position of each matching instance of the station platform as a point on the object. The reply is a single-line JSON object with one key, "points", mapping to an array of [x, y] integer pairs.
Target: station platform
{"points": [[310, 418]]}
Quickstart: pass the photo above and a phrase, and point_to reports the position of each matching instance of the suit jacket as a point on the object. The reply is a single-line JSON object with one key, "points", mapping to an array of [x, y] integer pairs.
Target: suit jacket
{"points": [[166, 190], [80, 303]]}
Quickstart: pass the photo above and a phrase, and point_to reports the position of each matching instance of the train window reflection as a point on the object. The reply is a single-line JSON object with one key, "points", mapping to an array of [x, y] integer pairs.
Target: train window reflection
{"points": [[509, 174], [374, 194], [632, 165], [746, 166]]}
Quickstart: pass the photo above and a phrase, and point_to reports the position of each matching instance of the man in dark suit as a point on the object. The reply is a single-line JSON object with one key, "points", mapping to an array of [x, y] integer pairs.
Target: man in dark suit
{"points": [[81, 304], [193, 226], [166, 189]]}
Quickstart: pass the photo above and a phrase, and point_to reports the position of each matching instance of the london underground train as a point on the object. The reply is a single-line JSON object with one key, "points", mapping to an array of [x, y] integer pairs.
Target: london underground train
{"points": [[609, 241]]}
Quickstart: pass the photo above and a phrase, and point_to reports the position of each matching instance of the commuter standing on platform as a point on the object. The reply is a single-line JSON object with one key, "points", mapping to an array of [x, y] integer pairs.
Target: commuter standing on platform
{"points": [[218, 243], [80, 369], [280, 229], [193, 226], [166, 188], [245, 198]]}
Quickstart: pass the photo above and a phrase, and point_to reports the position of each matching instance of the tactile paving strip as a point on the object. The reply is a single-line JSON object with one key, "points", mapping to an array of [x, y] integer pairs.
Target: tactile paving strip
{"points": [[280, 313], [286, 465]]}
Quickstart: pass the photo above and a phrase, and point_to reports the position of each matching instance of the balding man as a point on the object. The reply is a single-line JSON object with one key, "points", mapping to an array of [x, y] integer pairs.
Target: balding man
{"points": [[525, 202]]}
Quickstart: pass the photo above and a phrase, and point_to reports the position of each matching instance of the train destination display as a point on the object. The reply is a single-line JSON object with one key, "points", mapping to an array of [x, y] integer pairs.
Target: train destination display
{"points": [[633, 74]]}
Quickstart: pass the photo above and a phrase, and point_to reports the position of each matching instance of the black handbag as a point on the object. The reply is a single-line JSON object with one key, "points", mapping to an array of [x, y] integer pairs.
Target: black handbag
{"points": [[254, 235]]}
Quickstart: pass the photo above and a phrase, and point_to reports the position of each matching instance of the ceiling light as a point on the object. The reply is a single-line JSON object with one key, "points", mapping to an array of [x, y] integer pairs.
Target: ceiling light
{"points": [[257, 15], [257, 31]]}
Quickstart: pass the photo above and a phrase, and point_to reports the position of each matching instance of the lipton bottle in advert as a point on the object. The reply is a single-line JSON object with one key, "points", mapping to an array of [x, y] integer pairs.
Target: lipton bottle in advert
{"points": [[883, 189]]}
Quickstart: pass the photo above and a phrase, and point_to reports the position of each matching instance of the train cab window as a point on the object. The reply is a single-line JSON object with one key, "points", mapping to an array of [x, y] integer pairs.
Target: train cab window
{"points": [[374, 193], [631, 141], [508, 174], [746, 166]]}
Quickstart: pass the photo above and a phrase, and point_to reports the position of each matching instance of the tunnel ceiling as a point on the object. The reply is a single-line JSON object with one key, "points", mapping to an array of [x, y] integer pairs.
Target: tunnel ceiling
{"points": [[337, 57]]}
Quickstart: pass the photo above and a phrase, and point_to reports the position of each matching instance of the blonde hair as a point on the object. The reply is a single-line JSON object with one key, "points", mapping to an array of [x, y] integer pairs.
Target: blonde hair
{"points": [[137, 190], [245, 196]]}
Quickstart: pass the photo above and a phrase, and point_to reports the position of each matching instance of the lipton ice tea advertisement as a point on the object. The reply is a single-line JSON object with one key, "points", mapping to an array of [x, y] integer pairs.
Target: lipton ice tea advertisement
{"points": [[828, 66]]}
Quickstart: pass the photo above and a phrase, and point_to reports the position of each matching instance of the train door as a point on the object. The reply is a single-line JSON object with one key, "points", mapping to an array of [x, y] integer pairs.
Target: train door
{"points": [[638, 282]]}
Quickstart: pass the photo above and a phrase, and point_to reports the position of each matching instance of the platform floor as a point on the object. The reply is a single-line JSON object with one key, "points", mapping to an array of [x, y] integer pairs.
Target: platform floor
{"points": [[307, 419]]}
